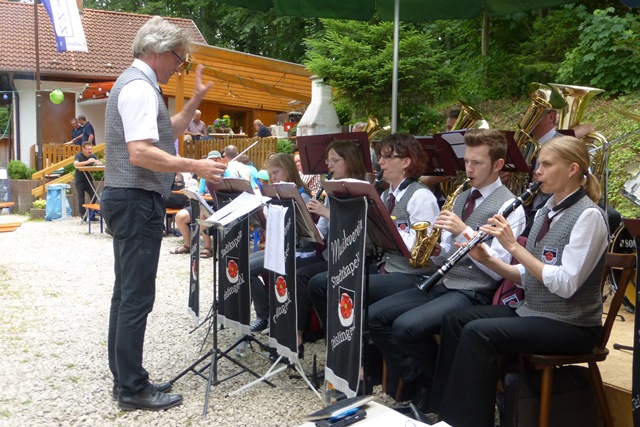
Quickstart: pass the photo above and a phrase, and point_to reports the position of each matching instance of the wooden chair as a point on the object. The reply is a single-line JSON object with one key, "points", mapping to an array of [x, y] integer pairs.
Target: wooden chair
{"points": [[626, 263]]}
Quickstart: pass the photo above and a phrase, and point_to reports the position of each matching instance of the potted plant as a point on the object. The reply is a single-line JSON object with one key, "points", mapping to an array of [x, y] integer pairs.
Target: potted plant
{"points": [[21, 184], [222, 125], [39, 209]]}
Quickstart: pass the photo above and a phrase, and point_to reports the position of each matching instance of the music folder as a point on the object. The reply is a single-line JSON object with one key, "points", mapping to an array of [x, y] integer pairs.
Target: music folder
{"points": [[381, 229], [441, 157], [515, 161], [230, 188], [312, 149], [305, 227]]}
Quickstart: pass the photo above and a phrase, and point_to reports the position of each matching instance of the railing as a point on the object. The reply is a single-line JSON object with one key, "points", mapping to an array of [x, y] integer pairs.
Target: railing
{"points": [[258, 154]]}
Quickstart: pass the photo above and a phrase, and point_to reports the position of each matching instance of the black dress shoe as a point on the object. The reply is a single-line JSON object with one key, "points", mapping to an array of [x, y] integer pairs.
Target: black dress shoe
{"points": [[161, 387], [149, 399], [273, 355]]}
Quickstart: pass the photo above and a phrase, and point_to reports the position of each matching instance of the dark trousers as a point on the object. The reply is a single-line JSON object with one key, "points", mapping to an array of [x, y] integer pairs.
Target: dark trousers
{"points": [[83, 187], [467, 372], [135, 218], [401, 325], [306, 268], [259, 290]]}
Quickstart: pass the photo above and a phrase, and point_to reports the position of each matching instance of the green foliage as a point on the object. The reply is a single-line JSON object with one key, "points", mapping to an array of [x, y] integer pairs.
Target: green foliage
{"points": [[608, 52], [357, 60], [18, 170], [40, 204], [285, 146]]}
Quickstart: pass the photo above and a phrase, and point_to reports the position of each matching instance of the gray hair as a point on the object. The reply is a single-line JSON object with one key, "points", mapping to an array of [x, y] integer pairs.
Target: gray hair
{"points": [[159, 36]]}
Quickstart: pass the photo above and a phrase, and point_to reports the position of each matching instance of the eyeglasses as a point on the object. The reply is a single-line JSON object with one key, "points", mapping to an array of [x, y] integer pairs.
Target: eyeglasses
{"points": [[182, 61], [332, 161], [389, 156]]}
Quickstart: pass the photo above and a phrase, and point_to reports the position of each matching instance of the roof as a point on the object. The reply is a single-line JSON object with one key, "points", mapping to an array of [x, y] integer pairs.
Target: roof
{"points": [[240, 79]]}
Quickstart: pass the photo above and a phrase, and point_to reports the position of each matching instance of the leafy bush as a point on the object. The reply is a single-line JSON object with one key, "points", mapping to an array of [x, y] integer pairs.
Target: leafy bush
{"points": [[40, 204], [608, 52], [284, 146], [18, 170]]}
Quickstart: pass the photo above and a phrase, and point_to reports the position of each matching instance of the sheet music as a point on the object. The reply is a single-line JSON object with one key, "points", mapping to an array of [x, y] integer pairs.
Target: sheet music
{"points": [[456, 140], [203, 203], [242, 205], [274, 251]]}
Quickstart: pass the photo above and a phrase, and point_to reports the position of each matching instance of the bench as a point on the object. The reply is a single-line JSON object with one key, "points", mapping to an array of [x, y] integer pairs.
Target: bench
{"points": [[93, 208], [7, 227], [170, 221], [6, 204]]}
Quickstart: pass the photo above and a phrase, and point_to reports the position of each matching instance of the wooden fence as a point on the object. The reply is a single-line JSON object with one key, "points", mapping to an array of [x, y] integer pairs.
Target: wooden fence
{"points": [[258, 154]]}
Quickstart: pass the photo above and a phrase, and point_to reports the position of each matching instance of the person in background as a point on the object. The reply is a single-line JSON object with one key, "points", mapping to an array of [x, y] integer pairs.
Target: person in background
{"points": [[85, 158], [88, 134], [140, 168], [196, 129], [235, 169], [261, 130], [361, 127], [452, 117], [76, 133], [312, 180], [560, 271]]}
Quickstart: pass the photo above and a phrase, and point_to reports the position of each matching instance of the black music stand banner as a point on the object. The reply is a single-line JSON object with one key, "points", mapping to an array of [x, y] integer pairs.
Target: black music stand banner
{"points": [[283, 329], [234, 292], [347, 238], [194, 252]]}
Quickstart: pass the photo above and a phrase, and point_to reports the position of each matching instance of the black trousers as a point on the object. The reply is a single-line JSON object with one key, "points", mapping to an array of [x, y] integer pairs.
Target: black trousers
{"points": [[401, 325], [467, 372], [83, 187], [135, 218]]}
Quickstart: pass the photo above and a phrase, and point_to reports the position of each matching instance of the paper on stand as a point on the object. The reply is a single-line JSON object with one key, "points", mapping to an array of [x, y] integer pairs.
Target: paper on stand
{"points": [[274, 252], [242, 205]]}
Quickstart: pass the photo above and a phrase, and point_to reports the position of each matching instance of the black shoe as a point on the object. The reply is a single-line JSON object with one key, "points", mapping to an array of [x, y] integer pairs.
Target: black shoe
{"points": [[259, 325], [273, 355], [161, 387], [149, 399]]}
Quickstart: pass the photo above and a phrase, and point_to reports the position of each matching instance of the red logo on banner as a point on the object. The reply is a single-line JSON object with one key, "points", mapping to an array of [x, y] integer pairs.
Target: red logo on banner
{"points": [[281, 289]]}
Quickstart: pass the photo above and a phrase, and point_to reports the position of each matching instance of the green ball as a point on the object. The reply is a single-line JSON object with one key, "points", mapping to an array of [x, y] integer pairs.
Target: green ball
{"points": [[56, 96]]}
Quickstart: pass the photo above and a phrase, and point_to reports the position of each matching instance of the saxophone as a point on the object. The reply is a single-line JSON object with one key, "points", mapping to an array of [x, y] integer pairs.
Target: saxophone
{"points": [[424, 244]]}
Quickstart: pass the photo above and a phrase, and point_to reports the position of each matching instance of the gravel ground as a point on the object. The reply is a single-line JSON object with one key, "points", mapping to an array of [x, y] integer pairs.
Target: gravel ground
{"points": [[55, 288]]}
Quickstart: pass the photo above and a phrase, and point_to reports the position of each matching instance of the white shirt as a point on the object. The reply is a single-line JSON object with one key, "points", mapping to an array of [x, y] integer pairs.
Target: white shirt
{"points": [[423, 206], [516, 220], [138, 106], [587, 242]]}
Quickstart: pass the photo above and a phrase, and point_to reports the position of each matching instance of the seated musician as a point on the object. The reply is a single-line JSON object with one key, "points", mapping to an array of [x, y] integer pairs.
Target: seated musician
{"points": [[401, 160], [560, 270], [281, 168], [401, 325]]}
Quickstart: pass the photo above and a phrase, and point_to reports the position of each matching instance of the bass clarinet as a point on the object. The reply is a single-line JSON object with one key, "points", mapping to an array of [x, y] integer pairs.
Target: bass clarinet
{"points": [[524, 198]]}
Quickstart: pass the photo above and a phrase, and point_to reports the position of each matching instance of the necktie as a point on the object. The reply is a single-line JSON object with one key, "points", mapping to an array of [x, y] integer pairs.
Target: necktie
{"points": [[391, 203], [545, 228], [470, 204]]}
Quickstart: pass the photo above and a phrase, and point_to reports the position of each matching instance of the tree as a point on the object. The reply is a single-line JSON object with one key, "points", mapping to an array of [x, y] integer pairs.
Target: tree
{"points": [[357, 60]]}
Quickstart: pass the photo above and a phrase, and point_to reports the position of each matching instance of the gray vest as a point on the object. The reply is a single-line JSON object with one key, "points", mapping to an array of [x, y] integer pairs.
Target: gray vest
{"points": [[465, 274], [395, 262], [584, 308], [119, 172]]}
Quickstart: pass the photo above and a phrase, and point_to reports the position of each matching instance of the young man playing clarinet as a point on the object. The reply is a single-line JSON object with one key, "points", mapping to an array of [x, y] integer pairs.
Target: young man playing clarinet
{"points": [[401, 325]]}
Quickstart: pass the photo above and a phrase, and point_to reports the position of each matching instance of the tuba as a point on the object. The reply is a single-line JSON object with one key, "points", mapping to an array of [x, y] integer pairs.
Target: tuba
{"points": [[543, 99], [577, 98], [425, 243], [469, 118], [372, 128]]}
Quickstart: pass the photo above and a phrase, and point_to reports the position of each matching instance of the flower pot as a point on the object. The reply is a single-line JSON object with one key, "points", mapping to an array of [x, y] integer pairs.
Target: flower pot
{"points": [[37, 213]]}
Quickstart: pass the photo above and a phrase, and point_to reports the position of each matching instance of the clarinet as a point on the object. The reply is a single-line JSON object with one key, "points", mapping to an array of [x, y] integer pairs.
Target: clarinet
{"points": [[523, 199], [377, 184], [318, 196]]}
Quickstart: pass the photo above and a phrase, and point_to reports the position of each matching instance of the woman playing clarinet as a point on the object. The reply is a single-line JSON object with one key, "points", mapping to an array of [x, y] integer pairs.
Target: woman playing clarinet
{"points": [[560, 271]]}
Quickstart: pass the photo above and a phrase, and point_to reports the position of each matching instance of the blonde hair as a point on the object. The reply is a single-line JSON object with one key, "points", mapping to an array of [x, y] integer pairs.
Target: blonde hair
{"points": [[574, 150]]}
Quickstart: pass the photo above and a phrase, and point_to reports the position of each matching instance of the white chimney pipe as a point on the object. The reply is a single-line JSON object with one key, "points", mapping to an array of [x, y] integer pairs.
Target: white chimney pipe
{"points": [[321, 117]]}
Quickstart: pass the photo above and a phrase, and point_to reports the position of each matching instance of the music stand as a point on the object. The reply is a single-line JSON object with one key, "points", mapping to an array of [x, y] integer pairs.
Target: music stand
{"points": [[441, 158], [215, 353], [381, 231], [230, 188], [305, 227], [313, 149], [515, 161]]}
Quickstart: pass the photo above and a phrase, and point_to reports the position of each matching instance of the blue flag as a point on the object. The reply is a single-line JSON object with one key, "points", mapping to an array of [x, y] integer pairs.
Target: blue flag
{"points": [[67, 25]]}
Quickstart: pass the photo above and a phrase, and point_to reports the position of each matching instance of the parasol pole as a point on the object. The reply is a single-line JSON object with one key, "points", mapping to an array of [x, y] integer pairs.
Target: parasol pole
{"points": [[394, 87]]}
